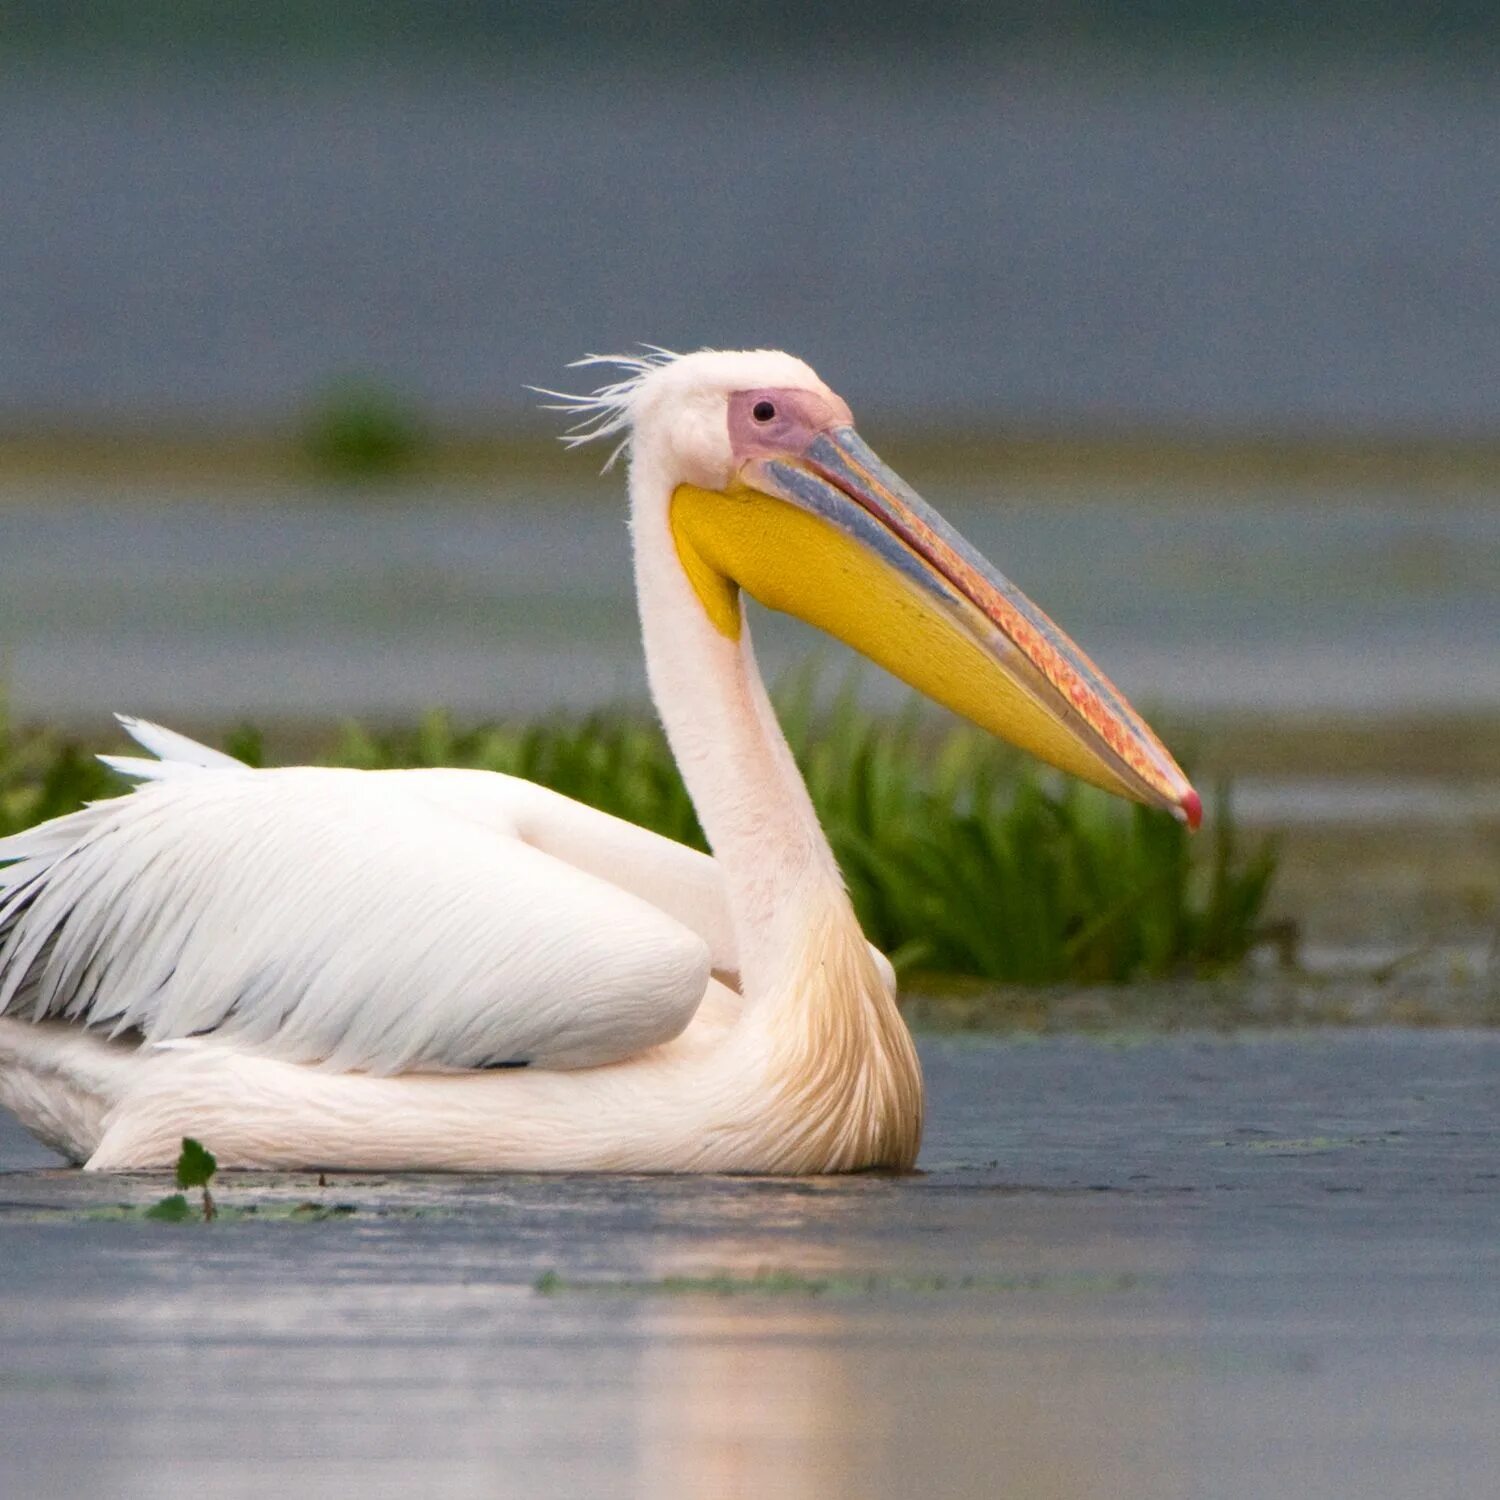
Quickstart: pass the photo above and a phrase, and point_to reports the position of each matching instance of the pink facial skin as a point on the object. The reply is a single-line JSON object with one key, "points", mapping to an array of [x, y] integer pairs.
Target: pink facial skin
{"points": [[781, 423]]}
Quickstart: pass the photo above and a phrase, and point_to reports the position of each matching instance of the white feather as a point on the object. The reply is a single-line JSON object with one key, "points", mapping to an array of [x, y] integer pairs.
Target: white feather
{"points": [[167, 745], [608, 411], [134, 768], [356, 919]]}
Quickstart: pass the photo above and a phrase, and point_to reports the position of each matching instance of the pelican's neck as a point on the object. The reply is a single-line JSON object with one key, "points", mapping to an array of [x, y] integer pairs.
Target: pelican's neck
{"points": [[841, 1054], [739, 771]]}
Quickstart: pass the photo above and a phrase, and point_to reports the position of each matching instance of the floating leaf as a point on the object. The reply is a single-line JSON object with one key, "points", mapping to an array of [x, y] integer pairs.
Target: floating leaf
{"points": [[195, 1165], [173, 1210]]}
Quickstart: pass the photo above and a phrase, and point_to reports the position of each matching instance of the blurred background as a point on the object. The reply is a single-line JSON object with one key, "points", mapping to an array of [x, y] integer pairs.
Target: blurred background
{"points": [[1185, 311]]}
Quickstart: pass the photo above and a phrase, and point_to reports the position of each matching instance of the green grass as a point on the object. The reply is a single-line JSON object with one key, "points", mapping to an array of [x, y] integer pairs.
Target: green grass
{"points": [[961, 857], [43, 777]]}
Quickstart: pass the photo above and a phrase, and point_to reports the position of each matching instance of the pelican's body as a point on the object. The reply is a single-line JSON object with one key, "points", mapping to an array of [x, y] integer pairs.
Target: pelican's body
{"points": [[457, 970]]}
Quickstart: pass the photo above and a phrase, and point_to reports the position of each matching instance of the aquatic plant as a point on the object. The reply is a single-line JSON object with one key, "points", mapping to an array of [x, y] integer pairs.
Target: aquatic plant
{"points": [[961, 857], [358, 429], [195, 1169]]}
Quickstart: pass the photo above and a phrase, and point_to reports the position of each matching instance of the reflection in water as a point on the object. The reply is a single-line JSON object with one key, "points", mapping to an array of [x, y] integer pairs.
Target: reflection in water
{"points": [[729, 1397], [1028, 1391], [824, 1402]]}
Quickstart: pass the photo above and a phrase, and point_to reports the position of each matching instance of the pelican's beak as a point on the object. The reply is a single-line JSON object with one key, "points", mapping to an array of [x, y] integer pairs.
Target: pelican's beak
{"points": [[833, 536]]}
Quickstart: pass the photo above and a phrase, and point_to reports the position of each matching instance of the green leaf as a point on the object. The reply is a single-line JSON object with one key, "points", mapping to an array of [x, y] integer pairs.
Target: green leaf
{"points": [[173, 1210], [195, 1165]]}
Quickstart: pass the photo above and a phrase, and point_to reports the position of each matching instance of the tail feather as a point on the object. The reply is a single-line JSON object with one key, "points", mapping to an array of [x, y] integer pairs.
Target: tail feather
{"points": [[176, 749], [137, 768]]}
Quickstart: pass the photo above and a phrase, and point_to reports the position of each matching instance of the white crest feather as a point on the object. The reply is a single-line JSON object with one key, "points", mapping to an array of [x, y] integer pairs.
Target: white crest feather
{"points": [[606, 413]]}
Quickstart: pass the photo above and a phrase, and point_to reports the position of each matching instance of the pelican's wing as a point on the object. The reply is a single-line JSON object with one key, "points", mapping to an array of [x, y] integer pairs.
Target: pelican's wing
{"points": [[685, 883], [358, 919]]}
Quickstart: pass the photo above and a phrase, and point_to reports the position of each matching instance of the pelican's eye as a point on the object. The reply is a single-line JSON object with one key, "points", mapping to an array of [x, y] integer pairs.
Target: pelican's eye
{"points": [[763, 411]]}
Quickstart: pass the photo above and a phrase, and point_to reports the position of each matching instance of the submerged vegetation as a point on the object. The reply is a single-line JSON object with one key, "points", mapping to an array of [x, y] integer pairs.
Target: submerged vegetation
{"points": [[775, 1282], [962, 858]]}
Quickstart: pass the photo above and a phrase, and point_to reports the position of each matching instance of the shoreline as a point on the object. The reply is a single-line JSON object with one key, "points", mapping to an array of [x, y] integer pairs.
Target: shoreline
{"points": [[1442, 745], [1250, 1003], [241, 459]]}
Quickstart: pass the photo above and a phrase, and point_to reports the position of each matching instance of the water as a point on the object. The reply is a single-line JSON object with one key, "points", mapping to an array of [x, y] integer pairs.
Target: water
{"points": [[1367, 802], [1097, 243], [1244, 1269], [514, 603]]}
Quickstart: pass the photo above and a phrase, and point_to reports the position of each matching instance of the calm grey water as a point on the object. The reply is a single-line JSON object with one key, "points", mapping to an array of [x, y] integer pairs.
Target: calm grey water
{"points": [[1241, 1269], [296, 605], [1294, 248]]}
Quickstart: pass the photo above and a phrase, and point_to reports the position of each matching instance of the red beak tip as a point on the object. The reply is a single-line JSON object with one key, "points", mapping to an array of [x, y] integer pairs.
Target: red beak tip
{"points": [[1192, 809]]}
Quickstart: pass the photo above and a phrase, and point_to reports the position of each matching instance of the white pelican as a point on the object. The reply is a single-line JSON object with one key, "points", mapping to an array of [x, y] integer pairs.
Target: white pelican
{"points": [[428, 969]]}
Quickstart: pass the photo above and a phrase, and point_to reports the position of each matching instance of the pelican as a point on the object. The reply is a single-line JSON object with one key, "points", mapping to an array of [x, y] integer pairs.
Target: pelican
{"points": [[454, 970]]}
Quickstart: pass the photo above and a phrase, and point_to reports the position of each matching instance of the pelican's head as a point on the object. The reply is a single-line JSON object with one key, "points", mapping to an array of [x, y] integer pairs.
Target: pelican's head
{"points": [[773, 492]]}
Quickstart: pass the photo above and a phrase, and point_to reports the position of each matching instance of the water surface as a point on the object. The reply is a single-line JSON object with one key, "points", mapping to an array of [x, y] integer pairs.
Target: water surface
{"points": [[520, 601], [1243, 1268], [1237, 248]]}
